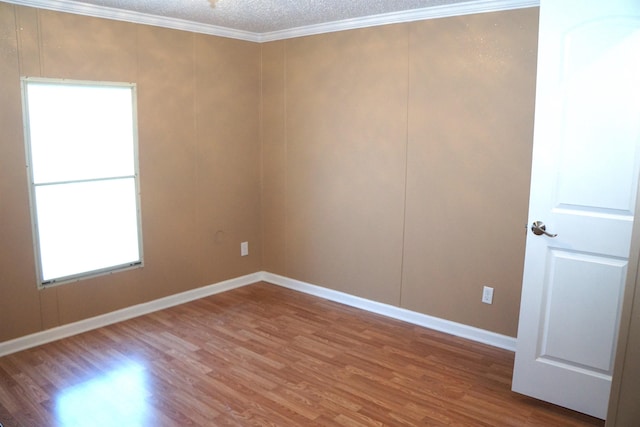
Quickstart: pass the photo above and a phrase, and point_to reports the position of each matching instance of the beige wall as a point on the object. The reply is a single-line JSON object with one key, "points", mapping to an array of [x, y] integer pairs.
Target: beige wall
{"points": [[390, 163], [199, 147], [471, 109], [397, 162], [346, 133]]}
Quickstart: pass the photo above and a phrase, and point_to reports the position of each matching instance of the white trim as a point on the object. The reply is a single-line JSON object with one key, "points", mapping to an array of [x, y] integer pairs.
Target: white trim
{"points": [[96, 11], [458, 329], [435, 323], [457, 9], [81, 326], [434, 12]]}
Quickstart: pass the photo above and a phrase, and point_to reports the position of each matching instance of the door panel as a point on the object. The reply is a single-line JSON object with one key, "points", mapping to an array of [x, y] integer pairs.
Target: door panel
{"points": [[599, 102], [583, 186], [582, 293]]}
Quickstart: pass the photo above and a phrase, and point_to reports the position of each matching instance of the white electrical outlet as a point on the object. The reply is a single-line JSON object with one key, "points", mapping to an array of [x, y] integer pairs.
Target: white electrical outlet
{"points": [[487, 295], [244, 248]]}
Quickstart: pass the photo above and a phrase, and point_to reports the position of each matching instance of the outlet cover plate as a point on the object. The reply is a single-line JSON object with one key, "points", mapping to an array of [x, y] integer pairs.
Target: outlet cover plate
{"points": [[487, 295]]}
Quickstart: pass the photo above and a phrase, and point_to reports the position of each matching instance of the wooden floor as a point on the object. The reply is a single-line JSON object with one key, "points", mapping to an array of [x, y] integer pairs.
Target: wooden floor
{"points": [[267, 356]]}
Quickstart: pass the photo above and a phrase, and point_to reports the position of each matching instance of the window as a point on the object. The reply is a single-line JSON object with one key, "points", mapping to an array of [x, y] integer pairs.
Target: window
{"points": [[81, 145]]}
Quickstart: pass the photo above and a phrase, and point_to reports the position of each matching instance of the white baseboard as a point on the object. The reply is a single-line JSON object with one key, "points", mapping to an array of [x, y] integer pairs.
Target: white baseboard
{"points": [[458, 329], [446, 326], [53, 334]]}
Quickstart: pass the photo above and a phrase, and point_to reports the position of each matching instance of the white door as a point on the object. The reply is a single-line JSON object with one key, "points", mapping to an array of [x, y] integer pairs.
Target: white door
{"points": [[584, 178]]}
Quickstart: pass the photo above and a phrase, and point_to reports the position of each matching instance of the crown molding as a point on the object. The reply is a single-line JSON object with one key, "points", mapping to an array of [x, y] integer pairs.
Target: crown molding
{"points": [[137, 18], [458, 9], [445, 11]]}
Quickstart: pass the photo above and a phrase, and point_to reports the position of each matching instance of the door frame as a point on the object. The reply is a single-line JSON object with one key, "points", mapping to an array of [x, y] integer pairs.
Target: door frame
{"points": [[630, 303]]}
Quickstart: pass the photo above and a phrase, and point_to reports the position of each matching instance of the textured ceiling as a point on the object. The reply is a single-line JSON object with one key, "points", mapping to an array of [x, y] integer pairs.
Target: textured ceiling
{"points": [[264, 20], [263, 16]]}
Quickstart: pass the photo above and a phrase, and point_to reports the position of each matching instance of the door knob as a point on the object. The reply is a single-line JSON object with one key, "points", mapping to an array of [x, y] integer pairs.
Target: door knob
{"points": [[539, 228]]}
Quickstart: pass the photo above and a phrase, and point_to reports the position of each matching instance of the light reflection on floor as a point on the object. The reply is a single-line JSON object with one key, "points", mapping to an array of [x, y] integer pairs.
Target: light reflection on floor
{"points": [[117, 398]]}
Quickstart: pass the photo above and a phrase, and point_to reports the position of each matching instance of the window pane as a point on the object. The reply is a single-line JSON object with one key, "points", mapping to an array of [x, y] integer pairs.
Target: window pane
{"points": [[80, 132], [86, 226]]}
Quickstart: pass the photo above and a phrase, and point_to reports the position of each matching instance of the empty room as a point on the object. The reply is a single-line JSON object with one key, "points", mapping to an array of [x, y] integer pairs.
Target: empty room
{"points": [[333, 213]]}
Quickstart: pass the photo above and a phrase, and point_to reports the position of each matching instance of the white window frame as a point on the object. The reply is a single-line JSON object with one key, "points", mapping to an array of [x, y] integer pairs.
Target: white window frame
{"points": [[42, 283]]}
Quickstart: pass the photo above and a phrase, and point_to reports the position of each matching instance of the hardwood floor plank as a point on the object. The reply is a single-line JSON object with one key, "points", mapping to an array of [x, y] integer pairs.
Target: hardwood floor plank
{"points": [[262, 355]]}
